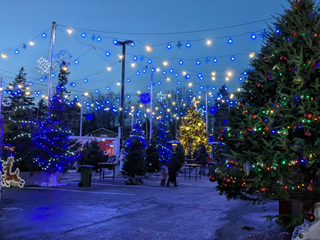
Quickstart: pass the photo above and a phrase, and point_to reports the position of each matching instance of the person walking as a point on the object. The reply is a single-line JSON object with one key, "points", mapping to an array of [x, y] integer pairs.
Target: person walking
{"points": [[203, 159], [164, 173], [122, 159], [173, 168]]}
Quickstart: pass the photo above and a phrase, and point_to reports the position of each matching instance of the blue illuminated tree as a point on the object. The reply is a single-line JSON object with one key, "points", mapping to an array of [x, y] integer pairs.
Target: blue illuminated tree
{"points": [[53, 148], [162, 139], [136, 134]]}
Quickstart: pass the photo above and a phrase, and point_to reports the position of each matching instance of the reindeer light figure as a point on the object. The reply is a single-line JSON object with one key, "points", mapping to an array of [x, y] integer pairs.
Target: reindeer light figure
{"points": [[9, 176]]}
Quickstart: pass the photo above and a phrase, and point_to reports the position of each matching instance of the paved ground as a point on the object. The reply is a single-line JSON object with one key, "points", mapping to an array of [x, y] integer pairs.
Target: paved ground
{"points": [[112, 210]]}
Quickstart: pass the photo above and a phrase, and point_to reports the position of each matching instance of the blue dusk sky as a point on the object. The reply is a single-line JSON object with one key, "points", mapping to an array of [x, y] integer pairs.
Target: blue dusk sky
{"points": [[156, 23]]}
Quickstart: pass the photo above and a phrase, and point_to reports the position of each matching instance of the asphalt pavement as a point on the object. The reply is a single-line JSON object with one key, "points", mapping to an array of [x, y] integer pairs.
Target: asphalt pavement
{"points": [[113, 210]]}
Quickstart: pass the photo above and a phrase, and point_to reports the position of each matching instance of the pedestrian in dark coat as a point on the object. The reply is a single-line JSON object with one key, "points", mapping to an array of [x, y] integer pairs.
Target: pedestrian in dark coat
{"points": [[173, 167], [203, 158]]}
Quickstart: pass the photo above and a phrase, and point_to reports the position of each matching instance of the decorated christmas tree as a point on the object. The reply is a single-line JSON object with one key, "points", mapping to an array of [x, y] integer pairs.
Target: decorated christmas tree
{"points": [[136, 134], [152, 158], [193, 131], [19, 123], [274, 134], [162, 139], [54, 150], [221, 110]]}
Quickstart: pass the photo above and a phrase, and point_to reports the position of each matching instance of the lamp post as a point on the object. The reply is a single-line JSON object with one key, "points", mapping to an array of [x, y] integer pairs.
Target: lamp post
{"points": [[123, 44]]}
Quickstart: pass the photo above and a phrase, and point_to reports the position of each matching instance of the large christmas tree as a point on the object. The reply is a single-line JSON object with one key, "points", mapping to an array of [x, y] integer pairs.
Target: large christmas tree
{"points": [[274, 133], [162, 139], [193, 131], [54, 150], [19, 123]]}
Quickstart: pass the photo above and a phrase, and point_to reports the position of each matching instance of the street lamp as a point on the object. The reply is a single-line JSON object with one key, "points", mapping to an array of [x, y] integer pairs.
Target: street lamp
{"points": [[123, 59]]}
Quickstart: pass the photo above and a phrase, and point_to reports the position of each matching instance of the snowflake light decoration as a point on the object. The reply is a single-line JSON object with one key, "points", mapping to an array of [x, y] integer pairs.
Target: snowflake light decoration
{"points": [[264, 34], [145, 98], [161, 96], [201, 111], [207, 60], [179, 45], [63, 58], [213, 110], [43, 65]]}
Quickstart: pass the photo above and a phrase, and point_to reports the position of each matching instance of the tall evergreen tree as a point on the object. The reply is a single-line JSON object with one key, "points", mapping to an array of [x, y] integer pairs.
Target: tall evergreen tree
{"points": [[274, 134], [19, 123], [19, 93], [193, 131], [162, 139], [222, 106], [54, 150]]}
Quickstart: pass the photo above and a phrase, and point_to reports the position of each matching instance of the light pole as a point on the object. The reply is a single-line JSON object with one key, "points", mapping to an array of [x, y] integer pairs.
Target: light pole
{"points": [[206, 111], [151, 103], [53, 36], [123, 44]]}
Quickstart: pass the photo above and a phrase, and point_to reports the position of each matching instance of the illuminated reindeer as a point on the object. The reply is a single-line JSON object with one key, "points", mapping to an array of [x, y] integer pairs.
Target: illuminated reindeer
{"points": [[9, 176]]}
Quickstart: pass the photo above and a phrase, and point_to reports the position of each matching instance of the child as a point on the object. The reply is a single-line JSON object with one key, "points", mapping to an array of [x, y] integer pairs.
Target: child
{"points": [[164, 173]]}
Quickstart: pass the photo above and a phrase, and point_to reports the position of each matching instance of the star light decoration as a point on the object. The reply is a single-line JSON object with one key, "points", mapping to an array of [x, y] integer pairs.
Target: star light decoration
{"points": [[63, 58], [264, 34], [43, 65], [161, 96], [195, 102], [24, 46]]}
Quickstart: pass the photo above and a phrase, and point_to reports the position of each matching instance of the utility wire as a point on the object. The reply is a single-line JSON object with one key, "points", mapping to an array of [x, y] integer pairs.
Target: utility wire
{"points": [[172, 33]]}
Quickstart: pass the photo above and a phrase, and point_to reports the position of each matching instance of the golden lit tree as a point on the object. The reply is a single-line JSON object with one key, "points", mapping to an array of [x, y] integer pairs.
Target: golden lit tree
{"points": [[193, 131]]}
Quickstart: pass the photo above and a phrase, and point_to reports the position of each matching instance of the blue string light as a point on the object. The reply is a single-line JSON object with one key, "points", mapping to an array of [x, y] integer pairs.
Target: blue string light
{"points": [[76, 62], [99, 39], [215, 60], [85, 80], [83, 35], [188, 45], [169, 46], [107, 54], [230, 41], [253, 36], [180, 62]]}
